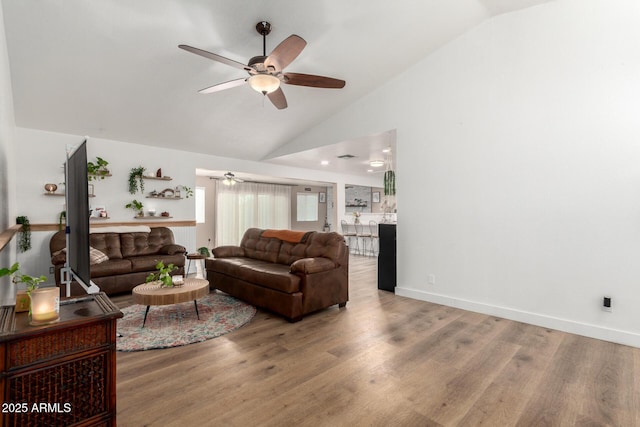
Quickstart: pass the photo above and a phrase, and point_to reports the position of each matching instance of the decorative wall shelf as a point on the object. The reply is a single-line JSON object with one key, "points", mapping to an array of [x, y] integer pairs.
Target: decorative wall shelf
{"points": [[166, 198], [63, 194], [147, 217], [100, 175], [158, 178], [99, 218]]}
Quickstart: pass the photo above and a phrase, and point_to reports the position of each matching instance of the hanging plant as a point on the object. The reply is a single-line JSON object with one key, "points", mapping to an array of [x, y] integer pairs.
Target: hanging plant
{"points": [[135, 180], [62, 219], [389, 183], [24, 243]]}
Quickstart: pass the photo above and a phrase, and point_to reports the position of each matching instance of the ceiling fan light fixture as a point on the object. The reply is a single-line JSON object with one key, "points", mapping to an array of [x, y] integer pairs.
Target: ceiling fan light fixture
{"points": [[264, 83], [376, 163], [228, 181]]}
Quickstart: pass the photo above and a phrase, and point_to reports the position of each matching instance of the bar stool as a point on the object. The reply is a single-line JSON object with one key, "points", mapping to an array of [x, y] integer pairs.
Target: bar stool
{"points": [[373, 228], [349, 235], [361, 234]]}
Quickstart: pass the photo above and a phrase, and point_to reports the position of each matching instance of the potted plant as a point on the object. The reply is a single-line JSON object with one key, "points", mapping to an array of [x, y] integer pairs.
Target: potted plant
{"points": [[188, 191], [31, 282], [163, 275], [136, 206], [204, 251], [135, 179], [97, 170]]}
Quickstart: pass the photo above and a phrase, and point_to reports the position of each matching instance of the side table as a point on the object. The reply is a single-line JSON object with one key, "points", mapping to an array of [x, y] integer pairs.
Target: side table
{"points": [[191, 257]]}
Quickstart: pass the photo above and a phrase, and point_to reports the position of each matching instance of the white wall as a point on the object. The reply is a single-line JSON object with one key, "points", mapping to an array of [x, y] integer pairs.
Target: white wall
{"points": [[518, 174], [7, 193]]}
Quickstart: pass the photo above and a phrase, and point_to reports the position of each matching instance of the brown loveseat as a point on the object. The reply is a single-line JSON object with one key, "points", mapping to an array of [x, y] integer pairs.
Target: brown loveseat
{"points": [[130, 257], [290, 273]]}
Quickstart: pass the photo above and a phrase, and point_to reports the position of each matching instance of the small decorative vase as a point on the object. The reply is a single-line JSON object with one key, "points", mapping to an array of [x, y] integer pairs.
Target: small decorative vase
{"points": [[50, 188], [356, 221]]}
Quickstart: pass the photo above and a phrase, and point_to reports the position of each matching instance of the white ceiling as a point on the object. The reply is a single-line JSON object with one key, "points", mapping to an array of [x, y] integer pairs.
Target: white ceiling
{"points": [[112, 69]]}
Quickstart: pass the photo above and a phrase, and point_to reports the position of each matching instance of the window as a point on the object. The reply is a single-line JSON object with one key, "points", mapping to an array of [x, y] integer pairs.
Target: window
{"points": [[247, 205], [307, 207], [200, 212]]}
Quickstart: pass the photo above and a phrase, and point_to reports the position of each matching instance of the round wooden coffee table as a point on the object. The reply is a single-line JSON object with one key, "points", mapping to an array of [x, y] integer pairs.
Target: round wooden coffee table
{"points": [[152, 294]]}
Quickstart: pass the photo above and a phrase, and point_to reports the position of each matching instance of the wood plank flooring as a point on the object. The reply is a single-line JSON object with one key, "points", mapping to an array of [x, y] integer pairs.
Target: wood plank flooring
{"points": [[383, 360]]}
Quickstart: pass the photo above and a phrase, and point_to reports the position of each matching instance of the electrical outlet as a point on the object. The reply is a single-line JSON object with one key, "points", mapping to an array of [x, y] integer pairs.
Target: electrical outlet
{"points": [[606, 304], [51, 270], [431, 279]]}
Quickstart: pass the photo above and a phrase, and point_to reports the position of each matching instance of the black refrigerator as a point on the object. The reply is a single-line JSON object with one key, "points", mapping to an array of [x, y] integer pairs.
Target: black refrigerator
{"points": [[387, 257]]}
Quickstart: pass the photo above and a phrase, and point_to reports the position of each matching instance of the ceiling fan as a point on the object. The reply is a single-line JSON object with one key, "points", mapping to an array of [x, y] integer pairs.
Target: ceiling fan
{"points": [[266, 73], [230, 179]]}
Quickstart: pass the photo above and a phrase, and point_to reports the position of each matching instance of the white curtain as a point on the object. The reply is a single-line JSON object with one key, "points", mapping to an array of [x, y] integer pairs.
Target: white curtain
{"points": [[245, 205]]}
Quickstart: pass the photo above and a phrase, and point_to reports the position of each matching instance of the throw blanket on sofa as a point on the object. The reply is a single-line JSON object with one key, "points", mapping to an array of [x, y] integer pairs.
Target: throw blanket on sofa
{"points": [[290, 236]]}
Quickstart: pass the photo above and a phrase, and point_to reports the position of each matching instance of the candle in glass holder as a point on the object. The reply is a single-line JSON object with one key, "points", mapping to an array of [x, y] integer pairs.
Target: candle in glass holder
{"points": [[45, 306]]}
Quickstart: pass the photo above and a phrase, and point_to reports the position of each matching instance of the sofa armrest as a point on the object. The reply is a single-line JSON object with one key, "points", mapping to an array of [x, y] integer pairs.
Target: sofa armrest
{"points": [[312, 265], [59, 257], [228, 251], [172, 249]]}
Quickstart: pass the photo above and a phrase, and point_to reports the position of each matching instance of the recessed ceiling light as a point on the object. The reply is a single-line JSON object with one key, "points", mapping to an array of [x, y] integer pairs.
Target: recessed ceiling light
{"points": [[387, 150], [370, 170], [324, 162], [376, 163]]}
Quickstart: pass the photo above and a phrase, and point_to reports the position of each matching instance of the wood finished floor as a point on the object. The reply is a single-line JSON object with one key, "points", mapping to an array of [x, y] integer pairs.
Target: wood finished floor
{"points": [[384, 360]]}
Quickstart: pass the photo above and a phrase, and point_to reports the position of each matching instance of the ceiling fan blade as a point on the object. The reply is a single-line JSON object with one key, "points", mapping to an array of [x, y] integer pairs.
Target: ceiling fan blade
{"points": [[278, 99], [223, 86], [285, 52], [313, 81], [215, 57]]}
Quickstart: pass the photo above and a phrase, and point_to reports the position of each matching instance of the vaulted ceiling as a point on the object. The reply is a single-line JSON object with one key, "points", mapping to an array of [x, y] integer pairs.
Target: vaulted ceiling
{"points": [[112, 68]]}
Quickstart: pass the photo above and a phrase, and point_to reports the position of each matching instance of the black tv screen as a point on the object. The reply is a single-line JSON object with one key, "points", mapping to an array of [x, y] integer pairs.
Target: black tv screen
{"points": [[77, 199]]}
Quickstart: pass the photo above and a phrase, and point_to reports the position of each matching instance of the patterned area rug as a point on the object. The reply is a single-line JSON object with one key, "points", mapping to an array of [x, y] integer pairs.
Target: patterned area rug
{"points": [[177, 324]]}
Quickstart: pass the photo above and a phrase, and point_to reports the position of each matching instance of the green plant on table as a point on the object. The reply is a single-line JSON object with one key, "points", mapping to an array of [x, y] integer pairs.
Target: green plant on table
{"points": [[9, 271], [163, 274], [31, 282]]}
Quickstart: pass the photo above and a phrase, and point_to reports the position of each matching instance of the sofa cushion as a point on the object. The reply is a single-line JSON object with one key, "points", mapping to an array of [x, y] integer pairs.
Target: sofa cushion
{"points": [[172, 249], [134, 244], [291, 252], [262, 273], [107, 243], [261, 248], [111, 267], [148, 262], [326, 245]]}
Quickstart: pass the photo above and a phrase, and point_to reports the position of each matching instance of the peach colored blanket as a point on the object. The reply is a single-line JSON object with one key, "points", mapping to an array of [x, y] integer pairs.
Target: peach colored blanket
{"points": [[286, 235]]}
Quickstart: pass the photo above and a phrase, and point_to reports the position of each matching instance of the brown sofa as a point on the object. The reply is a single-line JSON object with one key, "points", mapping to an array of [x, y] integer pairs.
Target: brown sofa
{"points": [[131, 257], [290, 273]]}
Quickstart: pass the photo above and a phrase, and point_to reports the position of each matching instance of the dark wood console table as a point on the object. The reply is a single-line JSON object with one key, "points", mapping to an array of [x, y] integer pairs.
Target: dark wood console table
{"points": [[63, 374]]}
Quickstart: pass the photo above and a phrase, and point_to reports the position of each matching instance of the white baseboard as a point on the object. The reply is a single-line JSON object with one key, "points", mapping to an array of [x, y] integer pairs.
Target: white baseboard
{"points": [[578, 328]]}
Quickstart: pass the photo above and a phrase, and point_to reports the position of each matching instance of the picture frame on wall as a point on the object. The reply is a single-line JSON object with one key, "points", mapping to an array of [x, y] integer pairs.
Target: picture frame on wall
{"points": [[376, 197], [322, 197]]}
